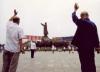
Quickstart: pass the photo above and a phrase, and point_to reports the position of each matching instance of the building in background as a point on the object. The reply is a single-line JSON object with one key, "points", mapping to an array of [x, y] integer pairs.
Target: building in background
{"points": [[32, 38]]}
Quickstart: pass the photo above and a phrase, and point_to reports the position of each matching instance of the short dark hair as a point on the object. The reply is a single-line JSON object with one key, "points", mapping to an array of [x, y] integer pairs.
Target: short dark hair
{"points": [[16, 19]]}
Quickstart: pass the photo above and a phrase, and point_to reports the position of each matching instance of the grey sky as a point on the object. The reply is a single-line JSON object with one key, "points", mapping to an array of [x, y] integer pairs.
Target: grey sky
{"points": [[57, 13]]}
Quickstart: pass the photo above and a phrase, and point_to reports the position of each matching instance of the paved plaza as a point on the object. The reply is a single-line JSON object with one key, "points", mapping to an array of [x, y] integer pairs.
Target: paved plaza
{"points": [[49, 62]]}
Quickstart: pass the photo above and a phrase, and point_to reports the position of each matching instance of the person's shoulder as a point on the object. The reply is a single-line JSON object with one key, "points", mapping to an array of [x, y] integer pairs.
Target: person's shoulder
{"points": [[9, 23], [34, 43], [74, 13], [92, 23]]}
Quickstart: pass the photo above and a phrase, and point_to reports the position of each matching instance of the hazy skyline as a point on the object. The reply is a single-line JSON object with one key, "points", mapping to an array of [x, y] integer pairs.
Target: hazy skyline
{"points": [[57, 13]]}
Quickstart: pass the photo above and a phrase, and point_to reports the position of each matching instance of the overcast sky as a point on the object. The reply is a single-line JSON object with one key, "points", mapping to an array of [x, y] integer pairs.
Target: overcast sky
{"points": [[57, 13]]}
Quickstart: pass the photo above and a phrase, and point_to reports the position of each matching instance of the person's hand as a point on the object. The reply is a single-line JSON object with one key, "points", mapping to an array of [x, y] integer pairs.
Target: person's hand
{"points": [[98, 50], [76, 7], [15, 12], [22, 51]]}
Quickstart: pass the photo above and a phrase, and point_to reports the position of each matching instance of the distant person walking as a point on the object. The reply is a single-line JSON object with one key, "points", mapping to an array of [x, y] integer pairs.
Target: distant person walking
{"points": [[0, 48], [86, 39], [53, 49], [13, 45], [33, 48]]}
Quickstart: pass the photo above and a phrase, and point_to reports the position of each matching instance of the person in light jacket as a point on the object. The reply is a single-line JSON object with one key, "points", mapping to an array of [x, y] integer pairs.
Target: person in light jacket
{"points": [[33, 48]]}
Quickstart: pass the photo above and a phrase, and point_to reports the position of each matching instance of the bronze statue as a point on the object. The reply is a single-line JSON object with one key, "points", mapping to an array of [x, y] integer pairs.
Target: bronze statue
{"points": [[45, 29]]}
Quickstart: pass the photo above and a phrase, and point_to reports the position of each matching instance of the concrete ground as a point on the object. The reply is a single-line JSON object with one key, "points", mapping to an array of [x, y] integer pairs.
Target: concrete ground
{"points": [[49, 62]]}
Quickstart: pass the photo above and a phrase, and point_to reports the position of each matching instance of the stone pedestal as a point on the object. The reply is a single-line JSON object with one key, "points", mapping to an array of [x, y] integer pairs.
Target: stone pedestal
{"points": [[45, 39]]}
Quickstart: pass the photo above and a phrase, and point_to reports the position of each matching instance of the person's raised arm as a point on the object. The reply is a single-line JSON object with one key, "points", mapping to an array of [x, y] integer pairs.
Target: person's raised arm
{"points": [[74, 17], [15, 13]]}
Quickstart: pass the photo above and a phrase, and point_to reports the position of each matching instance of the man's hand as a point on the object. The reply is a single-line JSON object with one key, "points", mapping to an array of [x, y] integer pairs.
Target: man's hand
{"points": [[22, 51], [76, 7], [21, 46], [15, 12], [98, 50]]}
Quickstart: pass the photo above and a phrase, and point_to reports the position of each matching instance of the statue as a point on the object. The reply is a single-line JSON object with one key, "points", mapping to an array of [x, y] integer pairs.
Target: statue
{"points": [[45, 29]]}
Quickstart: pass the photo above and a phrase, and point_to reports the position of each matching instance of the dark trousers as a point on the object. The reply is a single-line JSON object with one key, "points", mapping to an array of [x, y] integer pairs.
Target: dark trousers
{"points": [[32, 53], [87, 59], [10, 61], [0, 50]]}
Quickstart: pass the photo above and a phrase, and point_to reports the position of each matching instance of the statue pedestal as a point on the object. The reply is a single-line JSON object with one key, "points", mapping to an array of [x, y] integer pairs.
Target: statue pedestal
{"points": [[45, 39]]}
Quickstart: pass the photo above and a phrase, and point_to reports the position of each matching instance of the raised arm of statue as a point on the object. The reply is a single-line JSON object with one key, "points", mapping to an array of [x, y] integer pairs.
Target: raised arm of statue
{"points": [[42, 24]]}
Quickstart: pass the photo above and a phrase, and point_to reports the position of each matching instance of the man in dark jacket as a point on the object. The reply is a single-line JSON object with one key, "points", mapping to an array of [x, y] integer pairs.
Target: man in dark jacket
{"points": [[86, 39]]}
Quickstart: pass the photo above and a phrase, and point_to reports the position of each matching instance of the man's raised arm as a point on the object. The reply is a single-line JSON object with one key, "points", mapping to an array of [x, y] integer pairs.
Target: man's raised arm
{"points": [[74, 17]]}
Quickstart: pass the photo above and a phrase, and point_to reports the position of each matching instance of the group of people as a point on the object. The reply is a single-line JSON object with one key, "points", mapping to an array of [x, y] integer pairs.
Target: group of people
{"points": [[86, 39]]}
